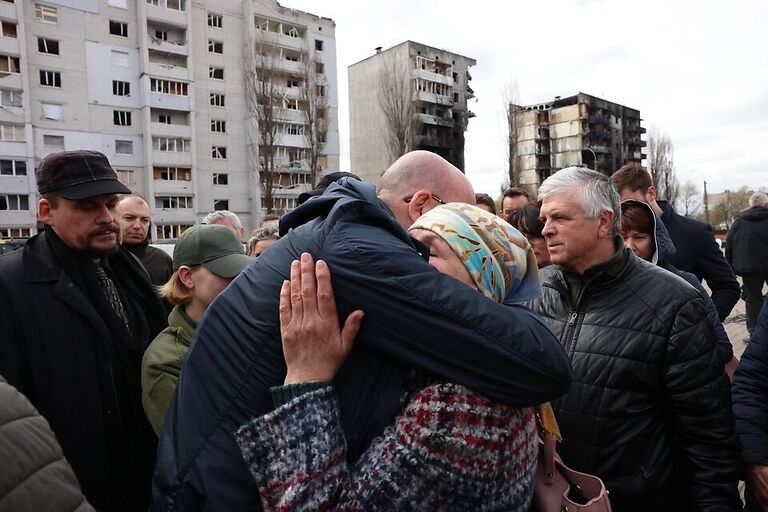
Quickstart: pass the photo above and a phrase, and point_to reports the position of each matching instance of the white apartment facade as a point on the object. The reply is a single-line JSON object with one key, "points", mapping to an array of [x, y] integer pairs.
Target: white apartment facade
{"points": [[157, 86]]}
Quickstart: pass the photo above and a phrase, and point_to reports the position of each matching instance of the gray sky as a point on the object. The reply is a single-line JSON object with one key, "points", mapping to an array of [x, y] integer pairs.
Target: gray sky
{"points": [[696, 69]]}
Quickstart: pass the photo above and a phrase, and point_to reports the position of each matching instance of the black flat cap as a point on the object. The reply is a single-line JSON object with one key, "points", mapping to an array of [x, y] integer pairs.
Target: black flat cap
{"points": [[78, 175]]}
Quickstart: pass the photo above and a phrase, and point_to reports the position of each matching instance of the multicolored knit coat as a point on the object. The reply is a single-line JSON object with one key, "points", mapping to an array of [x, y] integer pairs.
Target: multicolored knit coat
{"points": [[449, 449]]}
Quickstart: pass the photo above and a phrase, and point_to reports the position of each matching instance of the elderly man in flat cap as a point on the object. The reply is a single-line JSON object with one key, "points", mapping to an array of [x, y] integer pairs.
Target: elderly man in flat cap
{"points": [[77, 312]]}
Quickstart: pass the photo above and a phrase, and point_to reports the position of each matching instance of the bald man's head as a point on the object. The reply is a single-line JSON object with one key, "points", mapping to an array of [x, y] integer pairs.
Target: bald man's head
{"points": [[420, 180], [133, 216]]}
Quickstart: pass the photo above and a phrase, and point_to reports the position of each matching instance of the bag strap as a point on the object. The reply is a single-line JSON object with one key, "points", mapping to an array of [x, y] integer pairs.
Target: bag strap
{"points": [[549, 459]]}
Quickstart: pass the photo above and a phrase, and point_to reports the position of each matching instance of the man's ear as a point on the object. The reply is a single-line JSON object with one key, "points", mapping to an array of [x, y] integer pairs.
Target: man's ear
{"points": [[185, 276], [605, 228], [416, 206], [44, 211], [650, 195]]}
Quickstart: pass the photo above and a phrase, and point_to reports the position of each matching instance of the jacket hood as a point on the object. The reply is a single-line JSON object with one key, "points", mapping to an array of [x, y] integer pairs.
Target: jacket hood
{"points": [[321, 205], [663, 247], [754, 214]]}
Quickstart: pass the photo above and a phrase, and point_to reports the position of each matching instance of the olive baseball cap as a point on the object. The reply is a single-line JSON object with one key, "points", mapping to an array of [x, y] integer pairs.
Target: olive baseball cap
{"points": [[212, 246], [78, 175]]}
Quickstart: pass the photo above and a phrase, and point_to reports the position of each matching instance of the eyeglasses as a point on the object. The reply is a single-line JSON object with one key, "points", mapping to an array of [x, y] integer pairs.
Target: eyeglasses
{"points": [[433, 196]]}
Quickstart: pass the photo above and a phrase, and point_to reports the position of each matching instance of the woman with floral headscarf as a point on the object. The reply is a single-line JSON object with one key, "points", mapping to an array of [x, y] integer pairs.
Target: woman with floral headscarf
{"points": [[449, 448]]}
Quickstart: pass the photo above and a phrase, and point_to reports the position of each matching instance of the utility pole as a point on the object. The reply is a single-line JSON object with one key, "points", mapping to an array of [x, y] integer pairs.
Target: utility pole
{"points": [[706, 203]]}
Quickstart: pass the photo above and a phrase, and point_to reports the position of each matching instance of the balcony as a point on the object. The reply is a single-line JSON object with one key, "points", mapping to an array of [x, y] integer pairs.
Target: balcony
{"points": [[167, 16], [430, 141], [11, 81], [434, 77], [8, 11], [173, 216], [278, 39], [171, 158], [171, 130], [162, 70], [172, 47], [172, 187], [169, 101], [9, 45], [429, 119], [14, 185], [428, 97], [17, 149]]}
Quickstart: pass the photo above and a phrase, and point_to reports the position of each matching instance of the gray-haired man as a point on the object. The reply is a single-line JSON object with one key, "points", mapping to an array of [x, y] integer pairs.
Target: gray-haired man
{"points": [[648, 410]]}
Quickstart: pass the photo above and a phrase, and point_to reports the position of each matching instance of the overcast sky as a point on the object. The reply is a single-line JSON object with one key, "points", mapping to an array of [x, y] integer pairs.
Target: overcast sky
{"points": [[696, 70]]}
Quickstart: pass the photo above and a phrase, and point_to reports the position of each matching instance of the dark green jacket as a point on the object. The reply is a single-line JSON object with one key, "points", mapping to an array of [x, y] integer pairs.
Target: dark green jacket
{"points": [[161, 366]]}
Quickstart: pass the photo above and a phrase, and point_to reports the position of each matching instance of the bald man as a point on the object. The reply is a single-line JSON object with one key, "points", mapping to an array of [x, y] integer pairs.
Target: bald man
{"points": [[133, 217], [415, 317]]}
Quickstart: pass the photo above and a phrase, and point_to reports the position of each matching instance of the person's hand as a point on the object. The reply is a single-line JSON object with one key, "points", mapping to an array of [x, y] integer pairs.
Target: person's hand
{"points": [[313, 346], [758, 482]]}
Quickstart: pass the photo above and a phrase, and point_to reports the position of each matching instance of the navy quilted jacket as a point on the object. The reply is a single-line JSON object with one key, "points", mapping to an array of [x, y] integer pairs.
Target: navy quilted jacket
{"points": [[415, 317], [750, 395]]}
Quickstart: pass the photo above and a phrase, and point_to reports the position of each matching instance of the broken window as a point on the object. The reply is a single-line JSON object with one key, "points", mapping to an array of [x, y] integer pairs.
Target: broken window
{"points": [[121, 118], [54, 111], [164, 119], [8, 29], [46, 14], [215, 20], [120, 88], [219, 152], [318, 45], [220, 204], [13, 168], [217, 99], [124, 147], [218, 126], [50, 78], [14, 202], [215, 73], [12, 132], [50, 46], [162, 35], [220, 178], [215, 46], [126, 176], [319, 67], [8, 65], [10, 98], [118, 28]]}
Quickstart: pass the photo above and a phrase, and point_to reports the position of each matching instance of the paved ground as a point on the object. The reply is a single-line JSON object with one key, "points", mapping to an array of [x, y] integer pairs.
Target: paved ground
{"points": [[736, 327]]}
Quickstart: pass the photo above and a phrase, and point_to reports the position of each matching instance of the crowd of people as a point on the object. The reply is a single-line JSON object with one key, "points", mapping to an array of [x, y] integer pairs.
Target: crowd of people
{"points": [[399, 346]]}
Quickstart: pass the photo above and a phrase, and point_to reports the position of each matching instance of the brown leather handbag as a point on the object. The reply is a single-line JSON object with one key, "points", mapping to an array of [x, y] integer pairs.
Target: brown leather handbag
{"points": [[558, 488]]}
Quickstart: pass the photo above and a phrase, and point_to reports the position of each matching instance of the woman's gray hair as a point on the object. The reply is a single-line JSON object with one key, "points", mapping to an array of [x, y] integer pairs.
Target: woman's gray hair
{"points": [[594, 191]]}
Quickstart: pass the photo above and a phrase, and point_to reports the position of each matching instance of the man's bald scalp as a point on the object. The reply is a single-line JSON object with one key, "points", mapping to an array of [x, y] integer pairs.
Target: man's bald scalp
{"points": [[420, 170]]}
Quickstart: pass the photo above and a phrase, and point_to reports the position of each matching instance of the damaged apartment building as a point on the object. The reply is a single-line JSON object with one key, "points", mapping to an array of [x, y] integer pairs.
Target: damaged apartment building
{"points": [[577, 130], [410, 96], [159, 87]]}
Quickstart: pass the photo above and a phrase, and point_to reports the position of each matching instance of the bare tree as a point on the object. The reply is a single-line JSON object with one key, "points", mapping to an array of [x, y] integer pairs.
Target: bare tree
{"points": [[314, 100], [264, 99], [690, 198], [396, 99], [511, 98], [661, 164]]}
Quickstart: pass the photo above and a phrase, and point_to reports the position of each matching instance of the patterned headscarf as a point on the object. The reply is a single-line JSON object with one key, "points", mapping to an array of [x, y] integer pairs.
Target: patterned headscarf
{"points": [[500, 261], [497, 256]]}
